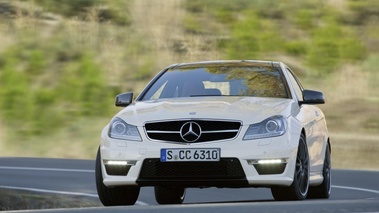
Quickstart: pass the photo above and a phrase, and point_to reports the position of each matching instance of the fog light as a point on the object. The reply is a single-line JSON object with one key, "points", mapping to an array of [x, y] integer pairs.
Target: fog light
{"points": [[270, 161], [267, 161], [119, 163], [269, 166], [118, 167]]}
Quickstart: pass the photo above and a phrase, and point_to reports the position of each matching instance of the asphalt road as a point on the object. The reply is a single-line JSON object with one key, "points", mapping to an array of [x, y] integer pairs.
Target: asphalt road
{"points": [[352, 191]]}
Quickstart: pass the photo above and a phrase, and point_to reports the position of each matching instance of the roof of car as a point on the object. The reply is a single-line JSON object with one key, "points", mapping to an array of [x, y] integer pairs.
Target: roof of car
{"points": [[228, 62]]}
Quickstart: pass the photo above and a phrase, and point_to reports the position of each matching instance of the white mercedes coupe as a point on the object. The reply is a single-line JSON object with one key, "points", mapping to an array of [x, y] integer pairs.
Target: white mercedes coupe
{"points": [[226, 124]]}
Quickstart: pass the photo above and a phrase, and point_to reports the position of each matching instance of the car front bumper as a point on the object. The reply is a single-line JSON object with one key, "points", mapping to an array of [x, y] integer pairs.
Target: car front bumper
{"points": [[138, 163]]}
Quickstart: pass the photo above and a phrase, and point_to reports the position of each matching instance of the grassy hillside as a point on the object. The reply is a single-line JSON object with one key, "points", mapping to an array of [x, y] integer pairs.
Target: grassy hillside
{"points": [[62, 62]]}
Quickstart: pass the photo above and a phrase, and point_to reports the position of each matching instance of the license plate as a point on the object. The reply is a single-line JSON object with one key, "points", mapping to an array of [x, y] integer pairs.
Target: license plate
{"points": [[181, 155]]}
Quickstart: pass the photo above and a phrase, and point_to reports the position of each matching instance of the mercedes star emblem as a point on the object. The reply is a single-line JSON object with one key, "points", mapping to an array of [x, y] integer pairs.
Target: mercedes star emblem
{"points": [[190, 131]]}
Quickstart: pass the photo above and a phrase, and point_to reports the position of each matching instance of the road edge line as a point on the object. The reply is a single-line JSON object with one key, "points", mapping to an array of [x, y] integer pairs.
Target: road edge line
{"points": [[356, 189]]}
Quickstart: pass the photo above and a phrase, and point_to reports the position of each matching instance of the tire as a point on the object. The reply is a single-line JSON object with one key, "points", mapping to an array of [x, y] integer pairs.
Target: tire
{"points": [[323, 191], [169, 195], [300, 185], [115, 196]]}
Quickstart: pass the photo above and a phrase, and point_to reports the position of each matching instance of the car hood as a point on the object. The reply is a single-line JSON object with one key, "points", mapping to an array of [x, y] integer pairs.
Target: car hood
{"points": [[246, 109]]}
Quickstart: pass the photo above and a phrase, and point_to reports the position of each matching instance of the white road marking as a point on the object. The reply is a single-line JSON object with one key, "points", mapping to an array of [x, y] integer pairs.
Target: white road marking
{"points": [[48, 191], [47, 169], [356, 189], [140, 203]]}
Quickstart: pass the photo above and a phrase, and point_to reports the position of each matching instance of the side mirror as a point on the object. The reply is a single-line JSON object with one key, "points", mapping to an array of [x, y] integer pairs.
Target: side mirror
{"points": [[124, 99], [312, 97]]}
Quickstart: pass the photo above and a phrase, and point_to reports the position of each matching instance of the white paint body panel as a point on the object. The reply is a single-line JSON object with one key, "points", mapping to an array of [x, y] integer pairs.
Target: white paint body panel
{"points": [[248, 110]]}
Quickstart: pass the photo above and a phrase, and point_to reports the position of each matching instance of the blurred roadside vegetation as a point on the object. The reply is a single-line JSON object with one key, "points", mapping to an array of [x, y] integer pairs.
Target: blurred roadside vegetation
{"points": [[62, 62]]}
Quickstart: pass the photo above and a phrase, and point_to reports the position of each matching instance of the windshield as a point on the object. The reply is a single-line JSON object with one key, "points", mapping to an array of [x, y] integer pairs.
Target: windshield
{"points": [[218, 81]]}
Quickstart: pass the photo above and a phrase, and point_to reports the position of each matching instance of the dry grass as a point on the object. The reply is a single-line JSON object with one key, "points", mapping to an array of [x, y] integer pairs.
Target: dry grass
{"points": [[350, 82], [162, 22], [338, 4], [355, 151], [78, 141], [352, 112], [21, 200], [2, 136]]}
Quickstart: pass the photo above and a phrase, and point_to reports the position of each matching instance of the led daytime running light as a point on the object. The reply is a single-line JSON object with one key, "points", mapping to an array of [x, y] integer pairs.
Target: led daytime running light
{"points": [[119, 163]]}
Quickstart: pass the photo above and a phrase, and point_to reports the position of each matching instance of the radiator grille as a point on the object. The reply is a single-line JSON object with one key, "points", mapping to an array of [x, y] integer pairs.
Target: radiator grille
{"points": [[203, 130]]}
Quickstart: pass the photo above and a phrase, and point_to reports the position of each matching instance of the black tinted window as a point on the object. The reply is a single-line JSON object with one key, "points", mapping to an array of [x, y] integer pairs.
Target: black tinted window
{"points": [[296, 85], [218, 80]]}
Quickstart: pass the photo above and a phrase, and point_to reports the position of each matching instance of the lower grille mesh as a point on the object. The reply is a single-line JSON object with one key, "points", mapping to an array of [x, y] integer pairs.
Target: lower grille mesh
{"points": [[226, 168]]}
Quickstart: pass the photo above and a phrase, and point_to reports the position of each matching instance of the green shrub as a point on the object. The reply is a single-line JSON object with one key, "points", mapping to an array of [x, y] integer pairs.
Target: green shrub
{"points": [[105, 10], [16, 105], [363, 10], [199, 6], [298, 48], [82, 88], [192, 24], [324, 49], [67, 8], [244, 42], [332, 45], [323, 56], [304, 18], [14, 91], [37, 99], [144, 71], [352, 49], [252, 37]]}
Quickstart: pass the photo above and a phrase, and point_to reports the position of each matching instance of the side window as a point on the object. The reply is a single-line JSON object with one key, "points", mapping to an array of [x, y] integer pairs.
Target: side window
{"points": [[296, 85]]}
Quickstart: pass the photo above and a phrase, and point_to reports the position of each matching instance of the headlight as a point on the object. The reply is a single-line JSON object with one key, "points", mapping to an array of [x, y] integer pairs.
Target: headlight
{"points": [[271, 127], [119, 129]]}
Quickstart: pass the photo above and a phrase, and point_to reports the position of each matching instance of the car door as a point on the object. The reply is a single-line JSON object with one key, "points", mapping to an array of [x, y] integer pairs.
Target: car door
{"points": [[309, 115], [319, 139]]}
